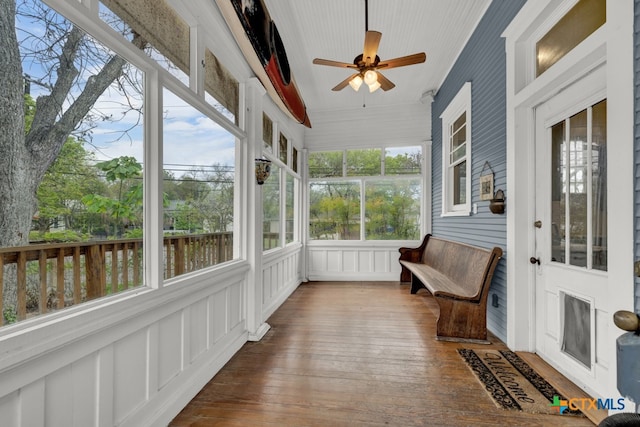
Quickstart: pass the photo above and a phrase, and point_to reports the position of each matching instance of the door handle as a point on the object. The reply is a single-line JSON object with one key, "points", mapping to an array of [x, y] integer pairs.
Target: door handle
{"points": [[534, 260]]}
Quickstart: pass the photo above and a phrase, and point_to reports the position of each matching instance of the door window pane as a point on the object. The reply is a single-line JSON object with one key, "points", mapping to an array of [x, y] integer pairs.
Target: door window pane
{"points": [[578, 189], [558, 201], [599, 184]]}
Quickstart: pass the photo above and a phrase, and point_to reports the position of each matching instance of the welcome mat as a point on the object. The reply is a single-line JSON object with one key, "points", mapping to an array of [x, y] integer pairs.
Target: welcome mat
{"points": [[513, 384]]}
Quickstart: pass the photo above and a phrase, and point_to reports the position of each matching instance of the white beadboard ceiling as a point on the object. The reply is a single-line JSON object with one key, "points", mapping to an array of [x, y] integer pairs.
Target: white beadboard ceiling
{"points": [[335, 29]]}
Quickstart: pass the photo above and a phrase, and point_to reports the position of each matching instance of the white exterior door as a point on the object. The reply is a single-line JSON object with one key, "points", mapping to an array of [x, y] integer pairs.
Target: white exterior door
{"points": [[571, 230]]}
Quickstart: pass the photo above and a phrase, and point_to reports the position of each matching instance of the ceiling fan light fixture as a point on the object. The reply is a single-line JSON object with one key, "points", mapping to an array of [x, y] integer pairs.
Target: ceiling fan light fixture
{"points": [[356, 82], [370, 77], [374, 86]]}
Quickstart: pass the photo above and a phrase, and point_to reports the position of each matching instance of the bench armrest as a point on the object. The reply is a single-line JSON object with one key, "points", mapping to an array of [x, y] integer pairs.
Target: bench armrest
{"points": [[412, 255]]}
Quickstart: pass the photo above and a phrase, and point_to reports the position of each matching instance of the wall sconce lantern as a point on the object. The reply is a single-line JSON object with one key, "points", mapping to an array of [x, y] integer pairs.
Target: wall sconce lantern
{"points": [[263, 170]]}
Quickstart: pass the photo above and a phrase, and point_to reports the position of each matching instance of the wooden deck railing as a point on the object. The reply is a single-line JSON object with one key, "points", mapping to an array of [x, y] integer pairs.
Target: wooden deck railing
{"points": [[38, 279]]}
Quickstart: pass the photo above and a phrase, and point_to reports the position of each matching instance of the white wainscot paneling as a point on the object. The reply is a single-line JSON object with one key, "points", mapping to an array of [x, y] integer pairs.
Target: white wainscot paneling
{"points": [[349, 260], [79, 381], [335, 261], [9, 406], [132, 360], [129, 374], [198, 328], [169, 348], [281, 275], [218, 310]]}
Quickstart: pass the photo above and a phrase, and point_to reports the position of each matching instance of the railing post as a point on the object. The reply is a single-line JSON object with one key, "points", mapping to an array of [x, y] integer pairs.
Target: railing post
{"points": [[22, 285], [179, 257], [94, 270], [60, 278], [42, 266], [77, 290]]}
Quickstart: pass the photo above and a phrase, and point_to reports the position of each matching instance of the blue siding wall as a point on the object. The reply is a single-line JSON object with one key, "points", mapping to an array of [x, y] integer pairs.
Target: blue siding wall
{"points": [[483, 63], [636, 72]]}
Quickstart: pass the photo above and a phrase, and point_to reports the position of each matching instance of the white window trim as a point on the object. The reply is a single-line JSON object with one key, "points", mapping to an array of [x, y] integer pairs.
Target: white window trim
{"points": [[460, 103]]}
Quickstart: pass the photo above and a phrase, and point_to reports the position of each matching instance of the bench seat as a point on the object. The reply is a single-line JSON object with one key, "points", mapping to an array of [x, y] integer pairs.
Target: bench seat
{"points": [[458, 276], [437, 283]]}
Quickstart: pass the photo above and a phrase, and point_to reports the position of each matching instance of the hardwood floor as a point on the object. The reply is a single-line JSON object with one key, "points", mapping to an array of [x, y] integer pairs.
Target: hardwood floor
{"points": [[349, 354]]}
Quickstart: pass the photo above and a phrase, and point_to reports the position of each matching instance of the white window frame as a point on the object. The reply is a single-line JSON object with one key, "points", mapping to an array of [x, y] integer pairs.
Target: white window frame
{"points": [[461, 103]]}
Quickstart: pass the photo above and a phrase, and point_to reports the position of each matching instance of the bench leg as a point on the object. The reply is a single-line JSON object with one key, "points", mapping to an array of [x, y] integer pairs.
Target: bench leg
{"points": [[416, 284], [462, 321]]}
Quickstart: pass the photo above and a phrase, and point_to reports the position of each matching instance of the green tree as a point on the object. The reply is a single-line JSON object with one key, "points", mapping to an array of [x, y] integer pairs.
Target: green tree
{"points": [[63, 186], [124, 208]]}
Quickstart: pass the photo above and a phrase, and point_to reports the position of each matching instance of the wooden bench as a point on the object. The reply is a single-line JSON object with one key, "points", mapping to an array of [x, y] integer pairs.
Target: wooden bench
{"points": [[458, 275]]}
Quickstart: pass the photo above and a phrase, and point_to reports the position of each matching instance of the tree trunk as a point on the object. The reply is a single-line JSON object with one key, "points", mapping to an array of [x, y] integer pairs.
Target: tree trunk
{"points": [[17, 189]]}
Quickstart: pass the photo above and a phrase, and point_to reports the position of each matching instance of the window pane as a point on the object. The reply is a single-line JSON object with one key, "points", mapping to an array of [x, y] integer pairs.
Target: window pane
{"points": [[294, 159], [92, 190], [283, 147], [459, 153], [578, 24], [459, 183], [334, 212], [221, 89], [267, 133], [364, 162], [403, 161], [392, 209], [325, 164], [271, 210], [199, 172], [458, 138], [578, 189], [290, 209], [599, 184]]}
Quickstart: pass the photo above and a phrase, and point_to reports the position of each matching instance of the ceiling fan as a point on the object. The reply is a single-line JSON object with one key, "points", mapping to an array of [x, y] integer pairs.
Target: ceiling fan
{"points": [[368, 63]]}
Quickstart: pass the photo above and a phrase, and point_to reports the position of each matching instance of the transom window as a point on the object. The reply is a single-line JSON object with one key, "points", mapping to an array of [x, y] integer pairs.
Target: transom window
{"points": [[574, 27]]}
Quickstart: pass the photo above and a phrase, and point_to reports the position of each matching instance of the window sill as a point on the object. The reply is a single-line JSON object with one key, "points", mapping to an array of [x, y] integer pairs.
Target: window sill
{"points": [[456, 213]]}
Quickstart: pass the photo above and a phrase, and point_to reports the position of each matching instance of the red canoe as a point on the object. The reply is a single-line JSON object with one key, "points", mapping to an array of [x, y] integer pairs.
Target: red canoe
{"points": [[259, 40]]}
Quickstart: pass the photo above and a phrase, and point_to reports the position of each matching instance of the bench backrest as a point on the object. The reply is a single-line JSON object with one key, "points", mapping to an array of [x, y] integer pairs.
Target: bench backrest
{"points": [[474, 272]]}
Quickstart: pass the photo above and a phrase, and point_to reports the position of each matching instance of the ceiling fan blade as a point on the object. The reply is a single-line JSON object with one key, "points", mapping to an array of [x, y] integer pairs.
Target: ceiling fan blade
{"points": [[371, 43], [402, 61], [385, 83], [344, 83], [331, 63]]}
